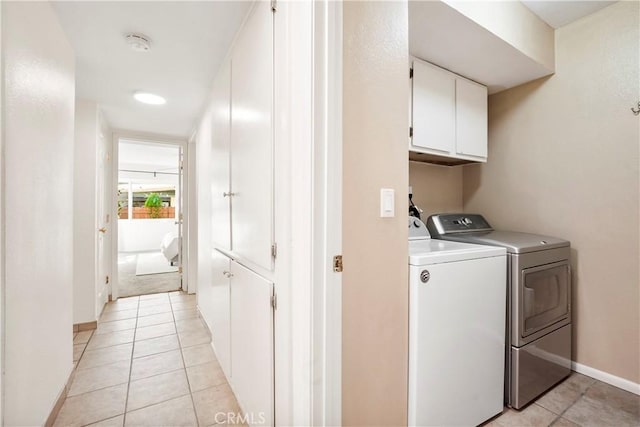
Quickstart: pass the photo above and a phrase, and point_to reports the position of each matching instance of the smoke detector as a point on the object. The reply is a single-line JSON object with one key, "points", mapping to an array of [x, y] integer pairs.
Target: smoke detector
{"points": [[138, 42]]}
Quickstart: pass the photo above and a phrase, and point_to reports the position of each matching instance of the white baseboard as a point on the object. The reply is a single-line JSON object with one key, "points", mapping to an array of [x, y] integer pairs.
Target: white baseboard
{"points": [[605, 377]]}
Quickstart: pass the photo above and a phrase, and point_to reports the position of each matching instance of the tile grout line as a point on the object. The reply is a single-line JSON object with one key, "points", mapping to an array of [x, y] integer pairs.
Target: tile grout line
{"points": [[193, 405], [582, 393], [130, 371], [80, 394], [130, 342], [133, 343], [133, 347]]}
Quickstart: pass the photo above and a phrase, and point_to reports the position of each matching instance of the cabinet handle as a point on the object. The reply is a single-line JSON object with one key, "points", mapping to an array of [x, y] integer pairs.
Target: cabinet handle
{"points": [[229, 194], [227, 274]]}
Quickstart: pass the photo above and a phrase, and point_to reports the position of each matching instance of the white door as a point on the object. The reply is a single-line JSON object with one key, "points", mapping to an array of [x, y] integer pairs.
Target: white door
{"points": [[252, 344], [252, 138], [471, 118], [103, 217], [434, 109], [220, 311], [219, 166]]}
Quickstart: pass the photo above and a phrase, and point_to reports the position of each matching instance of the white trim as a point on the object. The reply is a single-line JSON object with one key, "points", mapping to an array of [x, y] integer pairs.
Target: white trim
{"points": [[299, 76], [327, 212], [286, 369], [606, 377], [117, 135], [113, 285], [2, 231], [189, 208]]}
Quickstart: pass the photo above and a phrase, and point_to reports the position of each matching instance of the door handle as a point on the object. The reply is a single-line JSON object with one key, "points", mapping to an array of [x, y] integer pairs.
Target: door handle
{"points": [[227, 274], [229, 194], [102, 230]]}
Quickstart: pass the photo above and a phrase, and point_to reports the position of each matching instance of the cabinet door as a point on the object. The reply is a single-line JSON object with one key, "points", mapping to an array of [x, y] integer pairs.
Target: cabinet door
{"points": [[219, 166], [433, 115], [252, 138], [218, 312], [471, 118], [252, 343]]}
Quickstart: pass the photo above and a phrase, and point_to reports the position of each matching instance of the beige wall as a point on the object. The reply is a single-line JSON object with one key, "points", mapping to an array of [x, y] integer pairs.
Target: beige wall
{"points": [[375, 283], [563, 160], [436, 189]]}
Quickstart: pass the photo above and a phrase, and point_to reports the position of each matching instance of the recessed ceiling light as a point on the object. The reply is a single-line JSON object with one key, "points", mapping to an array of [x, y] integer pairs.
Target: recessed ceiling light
{"points": [[149, 98], [138, 42]]}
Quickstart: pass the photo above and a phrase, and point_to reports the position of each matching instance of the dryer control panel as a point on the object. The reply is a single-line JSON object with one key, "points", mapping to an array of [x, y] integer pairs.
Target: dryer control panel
{"points": [[441, 224]]}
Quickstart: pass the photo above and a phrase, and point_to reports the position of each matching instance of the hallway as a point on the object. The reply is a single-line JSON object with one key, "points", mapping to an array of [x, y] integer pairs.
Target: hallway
{"points": [[149, 363]]}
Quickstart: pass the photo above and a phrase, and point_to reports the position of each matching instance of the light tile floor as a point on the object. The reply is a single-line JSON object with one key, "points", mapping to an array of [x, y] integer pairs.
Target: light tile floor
{"points": [[577, 401], [149, 363]]}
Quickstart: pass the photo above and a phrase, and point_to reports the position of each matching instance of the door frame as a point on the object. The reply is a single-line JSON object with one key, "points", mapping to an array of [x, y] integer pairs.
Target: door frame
{"points": [[103, 262], [117, 135], [308, 137], [327, 212], [2, 230]]}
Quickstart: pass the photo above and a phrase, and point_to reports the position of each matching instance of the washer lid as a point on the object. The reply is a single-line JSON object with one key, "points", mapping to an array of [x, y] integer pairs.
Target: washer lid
{"points": [[515, 242], [427, 252]]}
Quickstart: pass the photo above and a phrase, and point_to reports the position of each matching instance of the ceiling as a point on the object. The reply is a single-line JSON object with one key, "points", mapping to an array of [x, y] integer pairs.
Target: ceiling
{"points": [[189, 40], [148, 156], [562, 12], [148, 163]]}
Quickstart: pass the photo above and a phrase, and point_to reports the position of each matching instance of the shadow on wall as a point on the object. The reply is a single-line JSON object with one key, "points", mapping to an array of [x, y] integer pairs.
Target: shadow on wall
{"points": [[575, 280], [519, 95], [516, 97], [472, 179]]}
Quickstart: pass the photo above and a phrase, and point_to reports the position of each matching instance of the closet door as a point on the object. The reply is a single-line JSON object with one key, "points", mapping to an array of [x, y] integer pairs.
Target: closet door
{"points": [[252, 139], [220, 314], [219, 170], [252, 343]]}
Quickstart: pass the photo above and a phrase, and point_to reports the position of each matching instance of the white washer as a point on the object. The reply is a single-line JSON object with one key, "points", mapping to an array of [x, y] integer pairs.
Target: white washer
{"points": [[457, 308]]}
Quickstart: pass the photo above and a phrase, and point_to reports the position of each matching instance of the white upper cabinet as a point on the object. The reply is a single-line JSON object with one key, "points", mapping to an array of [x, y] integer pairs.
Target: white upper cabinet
{"points": [[252, 139], [219, 165], [434, 108], [471, 119], [449, 116]]}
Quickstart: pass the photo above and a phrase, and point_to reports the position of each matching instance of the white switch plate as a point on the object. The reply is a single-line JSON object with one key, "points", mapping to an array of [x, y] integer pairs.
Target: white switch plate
{"points": [[387, 203]]}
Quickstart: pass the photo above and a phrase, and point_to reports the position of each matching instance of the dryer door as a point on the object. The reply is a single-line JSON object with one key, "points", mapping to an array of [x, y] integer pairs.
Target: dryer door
{"points": [[545, 297]]}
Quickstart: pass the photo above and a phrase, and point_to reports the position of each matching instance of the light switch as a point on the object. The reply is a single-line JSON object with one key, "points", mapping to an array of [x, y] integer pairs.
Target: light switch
{"points": [[387, 203]]}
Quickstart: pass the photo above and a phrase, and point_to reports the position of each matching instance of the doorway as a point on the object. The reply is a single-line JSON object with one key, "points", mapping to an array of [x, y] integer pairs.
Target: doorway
{"points": [[149, 213]]}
